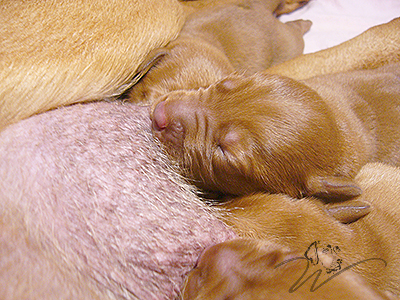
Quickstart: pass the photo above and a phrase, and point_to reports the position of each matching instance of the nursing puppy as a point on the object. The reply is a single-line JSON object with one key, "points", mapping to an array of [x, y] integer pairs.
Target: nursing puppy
{"points": [[218, 40], [274, 134], [282, 228], [60, 52]]}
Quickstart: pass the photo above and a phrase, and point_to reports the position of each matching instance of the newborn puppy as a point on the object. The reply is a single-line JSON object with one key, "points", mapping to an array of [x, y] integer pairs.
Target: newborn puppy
{"points": [[215, 41], [283, 228], [274, 134], [247, 269]]}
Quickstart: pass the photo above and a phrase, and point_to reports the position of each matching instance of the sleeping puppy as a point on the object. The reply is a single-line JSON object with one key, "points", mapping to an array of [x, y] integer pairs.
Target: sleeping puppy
{"points": [[218, 40], [61, 52], [250, 269], [278, 228], [274, 134], [285, 7]]}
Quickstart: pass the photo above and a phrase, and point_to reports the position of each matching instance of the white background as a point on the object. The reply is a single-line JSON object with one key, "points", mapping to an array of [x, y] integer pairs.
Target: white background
{"points": [[335, 21]]}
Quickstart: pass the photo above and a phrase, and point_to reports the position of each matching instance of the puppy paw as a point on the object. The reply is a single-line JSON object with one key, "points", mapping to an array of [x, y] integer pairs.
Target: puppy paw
{"points": [[333, 188], [349, 211]]}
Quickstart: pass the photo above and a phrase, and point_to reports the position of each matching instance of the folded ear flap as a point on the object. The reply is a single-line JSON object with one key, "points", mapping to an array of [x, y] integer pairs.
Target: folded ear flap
{"points": [[300, 26], [333, 188], [349, 211], [151, 60], [288, 6]]}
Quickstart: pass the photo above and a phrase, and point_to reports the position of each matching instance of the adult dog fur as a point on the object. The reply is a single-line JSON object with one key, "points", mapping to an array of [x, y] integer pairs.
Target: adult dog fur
{"points": [[271, 133], [376, 47], [62, 52], [217, 40], [282, 228], [69, 51]]}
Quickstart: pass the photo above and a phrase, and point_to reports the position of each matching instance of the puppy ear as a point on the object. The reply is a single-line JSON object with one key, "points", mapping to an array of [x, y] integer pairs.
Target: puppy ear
{"points": [[302, 26], [333, 188], [151, 60], [349, 211], [287, 6]]}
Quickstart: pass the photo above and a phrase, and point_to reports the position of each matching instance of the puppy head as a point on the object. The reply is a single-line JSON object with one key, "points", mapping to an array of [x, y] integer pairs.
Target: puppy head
{"points": [[256, 269], [186, 63], [241, 268], [246, 134]]}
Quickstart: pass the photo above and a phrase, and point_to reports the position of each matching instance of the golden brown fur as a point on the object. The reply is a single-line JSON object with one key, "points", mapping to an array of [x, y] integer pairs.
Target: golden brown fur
{"points": [[284, 7], [61, 52], [246, 269], [67, 51], [271, 133], [216, 41], [282, 227], [377, 46]]}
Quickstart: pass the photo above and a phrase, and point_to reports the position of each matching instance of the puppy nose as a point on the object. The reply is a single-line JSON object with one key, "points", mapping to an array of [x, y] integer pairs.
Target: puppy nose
{"points": [[160, 121], [167, 125]]}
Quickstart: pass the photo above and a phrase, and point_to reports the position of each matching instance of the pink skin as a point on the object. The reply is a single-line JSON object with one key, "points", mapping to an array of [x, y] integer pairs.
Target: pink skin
{"points": [[86, 194]]}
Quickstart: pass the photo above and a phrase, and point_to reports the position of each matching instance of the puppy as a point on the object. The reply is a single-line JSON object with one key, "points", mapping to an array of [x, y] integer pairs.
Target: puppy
{"points": [[278, 228], [252, 269], [376, 47], [284, 7], [218, 40], [274, 134], [62, 52]]}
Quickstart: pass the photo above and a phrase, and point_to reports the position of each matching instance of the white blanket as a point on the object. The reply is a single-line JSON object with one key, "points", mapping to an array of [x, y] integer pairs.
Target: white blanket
{"points": [[335, 21]]}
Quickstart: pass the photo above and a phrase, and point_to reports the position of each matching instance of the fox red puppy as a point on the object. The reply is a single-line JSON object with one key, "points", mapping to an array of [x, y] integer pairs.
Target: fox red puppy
{"points": [[217, 40], [271, 133], [297, 250]]}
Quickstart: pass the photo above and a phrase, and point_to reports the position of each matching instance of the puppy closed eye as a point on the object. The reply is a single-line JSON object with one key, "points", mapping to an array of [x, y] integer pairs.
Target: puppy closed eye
{"points": [[220, 149], [234, 150], [227, 144]]}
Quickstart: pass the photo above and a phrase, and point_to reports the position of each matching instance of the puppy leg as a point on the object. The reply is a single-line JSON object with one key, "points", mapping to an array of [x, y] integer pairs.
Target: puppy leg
{"points": [[378, 46]]}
